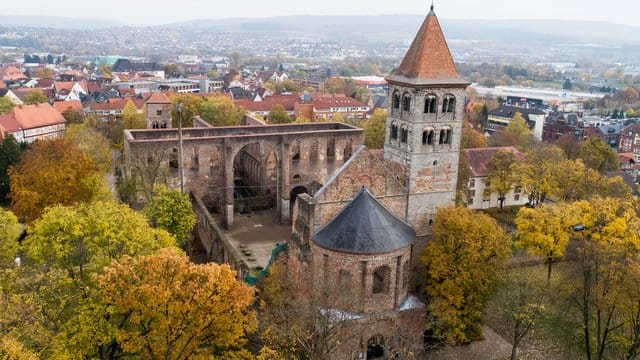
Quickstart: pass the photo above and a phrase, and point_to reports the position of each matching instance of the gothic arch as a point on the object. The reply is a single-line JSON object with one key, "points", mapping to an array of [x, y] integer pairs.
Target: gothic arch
{"points": [[449, 104], [431, 104]]}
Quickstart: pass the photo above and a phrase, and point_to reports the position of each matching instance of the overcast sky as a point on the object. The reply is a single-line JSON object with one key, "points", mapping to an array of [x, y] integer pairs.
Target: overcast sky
{"points": [[145, 12]]}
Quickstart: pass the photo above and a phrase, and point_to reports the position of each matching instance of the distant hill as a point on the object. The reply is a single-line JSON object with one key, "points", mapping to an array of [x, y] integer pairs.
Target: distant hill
{"points": [[403, 27], [56, 22]]}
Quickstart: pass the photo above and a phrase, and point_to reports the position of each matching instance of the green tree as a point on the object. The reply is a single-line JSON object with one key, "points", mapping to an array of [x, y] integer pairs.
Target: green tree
{"points": [[597, 155], [221, 111], [83, 238], [517, 134], [44, 73], [170, 308], [190, 108], [278, 115], [374, 129], [10, 153], [54, 172], [462, 265], [6, 105], [501, 175], [170, 210], [35, 97], [92, 142], [172, 71], [9, 233], [73, 116]]}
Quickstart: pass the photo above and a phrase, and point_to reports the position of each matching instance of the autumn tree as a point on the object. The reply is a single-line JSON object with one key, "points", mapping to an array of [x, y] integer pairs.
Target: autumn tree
{"points": [[462, 183], [501, 175], [462, 264], [606, 232], [76, 237], [44, 73], [335, 85], [148, 168], [597, 155], [73, 116], [522, 306], [170, 308], [6, 105], [190, 108], [9, 233], [577, 182], [93, 143], [220, 111], [35, 97], [569, 144], [171, 210], [278, 115], [54, 172], [10, 153], [374, 129], [545, 231], [516, 134], [537, 172], [472, 139]]}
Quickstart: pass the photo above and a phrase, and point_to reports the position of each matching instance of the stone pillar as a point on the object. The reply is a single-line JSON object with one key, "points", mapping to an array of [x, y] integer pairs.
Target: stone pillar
{"points": [[229, 186], [285, 181]]}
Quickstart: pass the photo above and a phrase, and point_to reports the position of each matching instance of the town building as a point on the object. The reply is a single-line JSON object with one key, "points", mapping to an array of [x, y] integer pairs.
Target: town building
{"points": [[28, 123], [500, 117]]}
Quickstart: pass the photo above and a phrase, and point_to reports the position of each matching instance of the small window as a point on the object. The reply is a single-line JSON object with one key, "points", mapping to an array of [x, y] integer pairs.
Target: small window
{"points": [[472, 193], [394, 132], [472, 183], [331, 148], [396, 101], [516, 197], [430, 104], [381, 278], [518, 189], [158, 112], [406, 102], [425, 137], [404, 135], [442, 136]]}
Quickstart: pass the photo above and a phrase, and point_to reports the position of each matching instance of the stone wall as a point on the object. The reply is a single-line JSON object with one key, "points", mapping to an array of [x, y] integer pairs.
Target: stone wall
{"points": [[217, 246]]}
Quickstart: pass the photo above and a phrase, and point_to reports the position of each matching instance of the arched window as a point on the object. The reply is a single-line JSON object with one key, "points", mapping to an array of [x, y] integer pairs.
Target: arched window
{"points": [[443, 134], [395, 102], [381, 279], [406, 102], [427, 137], [447, 136], [449, 104], [404, 134], [394, 132], [295, 150], [348, 150], [430, 104]]}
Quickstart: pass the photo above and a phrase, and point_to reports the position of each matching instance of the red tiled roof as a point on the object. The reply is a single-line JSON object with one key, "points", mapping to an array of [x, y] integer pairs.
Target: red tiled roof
{"points": [[158, 98], [63, 85], [9, 123], [45, 83], [428, 60], [35, 116], [11, 73], [63, 106], [479, 159]]}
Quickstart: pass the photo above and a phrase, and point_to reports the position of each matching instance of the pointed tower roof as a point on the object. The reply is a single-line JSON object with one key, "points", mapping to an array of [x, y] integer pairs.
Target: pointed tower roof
{"points": [[428, 60], [158, 98], [365, 226]]}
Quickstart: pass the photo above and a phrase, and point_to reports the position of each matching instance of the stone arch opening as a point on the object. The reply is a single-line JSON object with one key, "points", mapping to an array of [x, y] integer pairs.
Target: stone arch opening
{"points": [[430, 104], [381, 280], [255, 169], [174, 163], [348, 150], [293, 196], [375, 347]]}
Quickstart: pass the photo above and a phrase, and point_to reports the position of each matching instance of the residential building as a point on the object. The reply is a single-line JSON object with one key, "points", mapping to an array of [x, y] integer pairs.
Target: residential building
{"points": [[28, 123]]}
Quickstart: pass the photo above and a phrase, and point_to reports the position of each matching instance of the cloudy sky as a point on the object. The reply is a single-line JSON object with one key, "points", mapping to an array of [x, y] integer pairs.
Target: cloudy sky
{"points": [[146, 12]]}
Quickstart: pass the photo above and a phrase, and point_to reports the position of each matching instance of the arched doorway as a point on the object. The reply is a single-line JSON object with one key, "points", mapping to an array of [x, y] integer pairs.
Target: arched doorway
{"points": [[293, 196], [375, 347], [254, 178]]}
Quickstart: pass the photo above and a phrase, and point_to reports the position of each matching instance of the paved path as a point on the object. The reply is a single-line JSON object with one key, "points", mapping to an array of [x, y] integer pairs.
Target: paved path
{"points": [[493, 347]]}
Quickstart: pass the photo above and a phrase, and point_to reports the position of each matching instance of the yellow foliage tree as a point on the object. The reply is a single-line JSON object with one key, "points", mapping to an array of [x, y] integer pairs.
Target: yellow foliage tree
{"points": [[170, 308], [92, 142], [462, 264], [536, 174], [374, 129], [545, 231]]}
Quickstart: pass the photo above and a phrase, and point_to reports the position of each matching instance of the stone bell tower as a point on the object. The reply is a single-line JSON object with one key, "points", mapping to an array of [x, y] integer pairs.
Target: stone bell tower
{"points": [[424, 123]]}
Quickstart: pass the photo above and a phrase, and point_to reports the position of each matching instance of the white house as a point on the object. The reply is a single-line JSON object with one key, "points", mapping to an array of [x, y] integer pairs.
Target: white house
{"points": [[478, 161], [28, 123]]}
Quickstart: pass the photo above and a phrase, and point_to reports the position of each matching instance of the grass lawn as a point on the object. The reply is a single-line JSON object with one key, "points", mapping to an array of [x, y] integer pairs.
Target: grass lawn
{"points": [[557, 335], [505, 216]]}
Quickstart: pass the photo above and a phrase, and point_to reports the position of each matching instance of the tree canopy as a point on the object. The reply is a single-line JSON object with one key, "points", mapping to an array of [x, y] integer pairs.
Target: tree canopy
{"points": [[97, 147], [278, 115], [54, 172], [462, 264], [374, 129], [220, 111], [501, 175], [9, 233], [35, 97], [517, 134], [6, 105], [597, 155], [170, 210], [10, 153], [170, 308]]}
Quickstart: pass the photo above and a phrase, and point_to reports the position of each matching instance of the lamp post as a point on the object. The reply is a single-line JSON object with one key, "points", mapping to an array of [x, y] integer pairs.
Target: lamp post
{"points": [[180, 169]]}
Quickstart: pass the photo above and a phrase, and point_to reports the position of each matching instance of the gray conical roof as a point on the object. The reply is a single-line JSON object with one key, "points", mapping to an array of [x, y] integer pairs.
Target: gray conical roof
{"points": [[365, 226]]}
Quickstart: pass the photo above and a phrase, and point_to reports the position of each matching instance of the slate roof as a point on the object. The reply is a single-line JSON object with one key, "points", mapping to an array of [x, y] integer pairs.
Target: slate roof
{"points": [[365, 226], [428, 60], [506, 111], [125, 65]]}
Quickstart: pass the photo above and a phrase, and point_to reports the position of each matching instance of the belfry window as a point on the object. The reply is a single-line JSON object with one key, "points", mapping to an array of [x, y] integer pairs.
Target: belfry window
{"points": [[404, 134], [449, 104], [430, 104], [406, 102], [394, 132]]}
